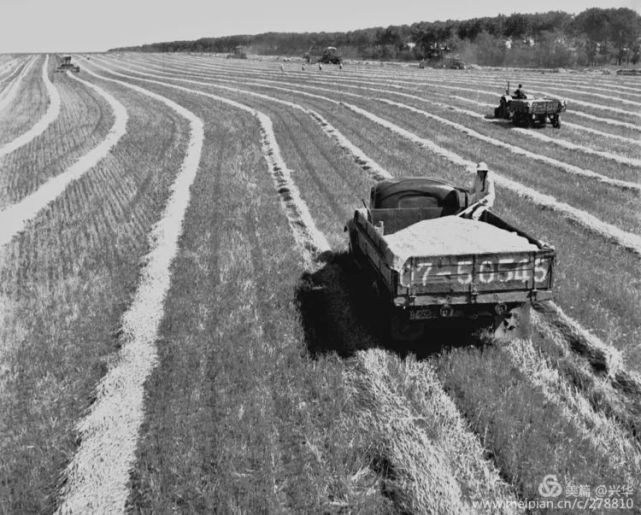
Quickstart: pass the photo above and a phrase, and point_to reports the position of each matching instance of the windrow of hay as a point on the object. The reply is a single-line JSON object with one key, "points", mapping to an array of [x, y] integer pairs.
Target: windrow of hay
{"points": [[96, 479], [606, 435], [53, 110], [601, 357], [369, 165], [430, 461], [9, 93], [300, 219], [15, 217], [606, 393]]}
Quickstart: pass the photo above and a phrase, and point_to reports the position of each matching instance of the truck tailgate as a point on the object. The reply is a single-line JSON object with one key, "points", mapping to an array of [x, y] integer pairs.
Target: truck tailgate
{"points": [[477, 273]]}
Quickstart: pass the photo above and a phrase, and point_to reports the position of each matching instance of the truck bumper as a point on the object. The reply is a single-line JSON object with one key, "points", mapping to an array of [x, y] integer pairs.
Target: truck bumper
{"points": [[467, 306], [472, 299]]}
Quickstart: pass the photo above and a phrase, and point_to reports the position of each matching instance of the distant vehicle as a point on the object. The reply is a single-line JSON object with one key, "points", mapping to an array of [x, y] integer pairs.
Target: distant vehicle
{"points": [[452, 63], [529, 112], [240, 52], [66, 64], [430, 261]]}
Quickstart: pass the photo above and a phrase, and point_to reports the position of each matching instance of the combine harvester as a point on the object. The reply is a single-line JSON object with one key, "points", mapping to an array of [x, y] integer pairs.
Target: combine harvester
{"points": [[530, 112], [430, 261], [65, 64]]}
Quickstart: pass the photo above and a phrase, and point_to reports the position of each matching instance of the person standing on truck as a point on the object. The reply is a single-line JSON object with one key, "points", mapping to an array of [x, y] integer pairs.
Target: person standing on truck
{"points": [[482, 190]]}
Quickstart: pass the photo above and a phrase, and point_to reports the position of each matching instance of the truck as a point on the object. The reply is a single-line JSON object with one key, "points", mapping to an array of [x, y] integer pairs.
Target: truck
{"points": [[530, 112], [429, 261]]}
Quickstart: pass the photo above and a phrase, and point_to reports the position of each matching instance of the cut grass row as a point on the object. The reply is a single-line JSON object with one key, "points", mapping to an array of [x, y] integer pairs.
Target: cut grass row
{"points": [[83, 122], [65, 283], [38, 127], [29, 105]]}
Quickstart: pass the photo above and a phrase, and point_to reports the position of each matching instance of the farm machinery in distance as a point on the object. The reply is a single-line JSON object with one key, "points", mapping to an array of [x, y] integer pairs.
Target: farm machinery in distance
{"points": [[530, 111], [66, 64]]}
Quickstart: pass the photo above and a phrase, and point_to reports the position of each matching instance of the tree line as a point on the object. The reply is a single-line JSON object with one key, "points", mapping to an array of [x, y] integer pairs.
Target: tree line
{"points": [[554, 39]]}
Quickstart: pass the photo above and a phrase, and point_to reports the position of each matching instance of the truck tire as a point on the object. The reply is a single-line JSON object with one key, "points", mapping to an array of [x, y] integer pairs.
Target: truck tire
{"points": [[514, 324], [556, 122]]}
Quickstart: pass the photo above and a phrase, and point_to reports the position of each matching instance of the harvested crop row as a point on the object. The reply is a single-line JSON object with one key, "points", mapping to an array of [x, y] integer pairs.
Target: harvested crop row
{"points": [[109, 432], [9, 93], [237, 429], [29, 106], [15, 217], [52, 112], [83, 122], [66, 281], [298, 211]]}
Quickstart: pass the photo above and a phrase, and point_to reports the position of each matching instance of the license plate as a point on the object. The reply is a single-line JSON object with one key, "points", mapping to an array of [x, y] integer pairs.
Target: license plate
{"points": [[420, 314]]}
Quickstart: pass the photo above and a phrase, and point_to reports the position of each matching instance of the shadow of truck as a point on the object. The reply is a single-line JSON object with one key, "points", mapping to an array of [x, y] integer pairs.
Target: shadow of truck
{"points": [[341, 313]]}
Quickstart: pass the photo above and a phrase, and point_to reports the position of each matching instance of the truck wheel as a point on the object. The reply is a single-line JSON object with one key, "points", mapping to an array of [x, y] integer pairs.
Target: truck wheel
{"points": [[514, 324], [556, 122]]}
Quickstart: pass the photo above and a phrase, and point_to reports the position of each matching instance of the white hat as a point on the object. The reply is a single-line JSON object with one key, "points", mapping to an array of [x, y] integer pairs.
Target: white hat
{"points": [[482, 167]]}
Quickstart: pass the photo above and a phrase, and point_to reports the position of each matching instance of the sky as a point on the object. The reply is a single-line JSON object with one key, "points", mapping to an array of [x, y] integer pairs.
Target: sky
{"points": [[87, 25]]}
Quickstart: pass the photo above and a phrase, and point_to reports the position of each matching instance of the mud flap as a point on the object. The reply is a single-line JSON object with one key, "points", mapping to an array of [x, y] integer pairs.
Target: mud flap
{"points": [[514, 324]]}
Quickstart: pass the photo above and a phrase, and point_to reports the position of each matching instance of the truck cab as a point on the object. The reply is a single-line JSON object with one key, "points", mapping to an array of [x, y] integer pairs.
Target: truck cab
{"points": [[396, 204]]}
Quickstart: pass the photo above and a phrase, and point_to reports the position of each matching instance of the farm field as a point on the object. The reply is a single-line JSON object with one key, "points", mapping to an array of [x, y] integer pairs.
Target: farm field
{"points": [[182, 328]]}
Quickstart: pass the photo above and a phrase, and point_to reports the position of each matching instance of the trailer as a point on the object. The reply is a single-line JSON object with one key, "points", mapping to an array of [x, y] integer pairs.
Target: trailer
{"points": [[430, 261], [530, 112]]}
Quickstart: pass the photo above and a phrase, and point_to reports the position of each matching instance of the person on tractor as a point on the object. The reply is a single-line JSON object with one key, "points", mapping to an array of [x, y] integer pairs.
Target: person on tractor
{"points": [[519, 93], [482, 191]]}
